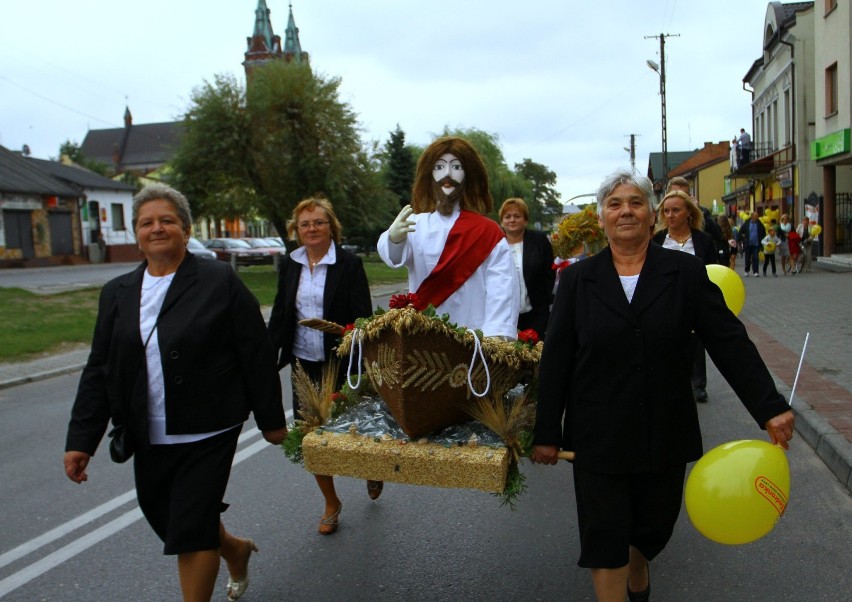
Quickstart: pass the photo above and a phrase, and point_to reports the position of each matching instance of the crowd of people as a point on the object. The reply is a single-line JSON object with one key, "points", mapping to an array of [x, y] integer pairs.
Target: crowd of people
{"points": [[181, 355]]}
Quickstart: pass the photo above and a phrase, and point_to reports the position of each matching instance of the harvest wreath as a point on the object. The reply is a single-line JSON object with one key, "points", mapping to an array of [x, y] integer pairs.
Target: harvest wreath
{"points": [[432, 376]]}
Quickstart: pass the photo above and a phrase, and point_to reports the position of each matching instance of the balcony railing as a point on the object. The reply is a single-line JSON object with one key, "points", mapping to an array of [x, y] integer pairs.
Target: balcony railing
{"points": [[765, 158]]}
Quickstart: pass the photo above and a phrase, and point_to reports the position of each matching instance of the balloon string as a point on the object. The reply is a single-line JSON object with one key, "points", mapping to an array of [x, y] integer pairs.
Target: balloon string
{"points": [[799, 369]]}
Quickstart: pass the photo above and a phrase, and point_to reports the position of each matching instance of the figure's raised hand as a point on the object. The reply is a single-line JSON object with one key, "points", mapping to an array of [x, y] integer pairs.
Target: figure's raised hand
{"points": [[401, 226]]}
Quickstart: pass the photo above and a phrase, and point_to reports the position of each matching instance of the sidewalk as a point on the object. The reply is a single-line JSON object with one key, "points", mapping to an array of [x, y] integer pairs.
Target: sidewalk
{"points": [[778, 313]]}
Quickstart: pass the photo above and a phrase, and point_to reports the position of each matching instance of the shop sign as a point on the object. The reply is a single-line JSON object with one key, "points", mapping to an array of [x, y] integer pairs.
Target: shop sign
{"points": [[833, 144]]}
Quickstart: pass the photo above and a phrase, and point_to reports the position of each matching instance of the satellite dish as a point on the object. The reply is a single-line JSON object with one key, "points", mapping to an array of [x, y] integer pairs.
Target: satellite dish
{"points": [[25, 150]]}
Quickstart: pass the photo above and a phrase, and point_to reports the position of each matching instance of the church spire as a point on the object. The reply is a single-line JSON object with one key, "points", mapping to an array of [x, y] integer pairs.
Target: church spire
{"points": [[263, 26], [263, 45], [292, 47]]}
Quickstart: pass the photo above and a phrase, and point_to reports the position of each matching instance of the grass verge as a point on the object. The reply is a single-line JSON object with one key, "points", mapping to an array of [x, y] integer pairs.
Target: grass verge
{"points": [[32, 325]]}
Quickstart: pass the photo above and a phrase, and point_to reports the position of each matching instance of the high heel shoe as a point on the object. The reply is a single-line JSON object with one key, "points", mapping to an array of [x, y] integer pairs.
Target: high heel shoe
{"points": [[328, 524], [374, 489], [237, 587]]}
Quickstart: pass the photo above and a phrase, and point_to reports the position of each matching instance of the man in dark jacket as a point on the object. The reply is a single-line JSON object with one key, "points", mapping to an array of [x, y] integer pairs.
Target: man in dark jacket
{"points": [[751, 233]]}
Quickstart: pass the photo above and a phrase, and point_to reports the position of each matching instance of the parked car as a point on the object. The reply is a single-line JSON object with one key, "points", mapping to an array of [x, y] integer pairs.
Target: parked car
{"points": [[274, 241], [271, 248], [194, 246], [242, 252]]}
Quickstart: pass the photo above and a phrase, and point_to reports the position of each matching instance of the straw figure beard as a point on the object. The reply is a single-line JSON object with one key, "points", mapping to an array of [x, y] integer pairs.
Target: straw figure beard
{"points": [[445, 203]]}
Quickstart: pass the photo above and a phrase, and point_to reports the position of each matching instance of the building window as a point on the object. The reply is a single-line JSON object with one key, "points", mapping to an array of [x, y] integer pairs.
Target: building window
{"points": [[118, 216], [831, 90], [830, 5]]}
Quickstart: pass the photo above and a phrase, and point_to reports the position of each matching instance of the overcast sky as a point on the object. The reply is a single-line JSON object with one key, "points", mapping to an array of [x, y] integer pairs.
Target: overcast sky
{"points": [[562, 82]]}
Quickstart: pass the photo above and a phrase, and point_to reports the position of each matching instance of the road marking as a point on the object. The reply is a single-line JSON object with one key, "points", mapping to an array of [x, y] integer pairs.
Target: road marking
{"points": [[54, 559]]}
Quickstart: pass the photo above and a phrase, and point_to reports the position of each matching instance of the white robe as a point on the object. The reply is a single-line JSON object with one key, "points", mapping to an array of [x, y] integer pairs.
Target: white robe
{"points": [[488, 300]]}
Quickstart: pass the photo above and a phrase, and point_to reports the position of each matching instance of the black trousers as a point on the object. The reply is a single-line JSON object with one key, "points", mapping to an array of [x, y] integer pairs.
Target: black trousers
{"points": [[699, 363]]}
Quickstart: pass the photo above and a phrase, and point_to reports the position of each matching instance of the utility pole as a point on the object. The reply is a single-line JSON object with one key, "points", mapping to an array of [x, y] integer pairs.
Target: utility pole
{"points": [[661, 70], [632, 150]]}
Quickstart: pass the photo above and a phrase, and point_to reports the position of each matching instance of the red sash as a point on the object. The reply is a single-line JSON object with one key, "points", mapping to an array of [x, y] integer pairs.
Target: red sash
{"points": [[470, 241]]}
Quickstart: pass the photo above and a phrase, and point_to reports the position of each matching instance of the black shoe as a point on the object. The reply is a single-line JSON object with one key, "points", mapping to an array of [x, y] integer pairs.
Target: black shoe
{"points": [[643, 596], [700, 395]]}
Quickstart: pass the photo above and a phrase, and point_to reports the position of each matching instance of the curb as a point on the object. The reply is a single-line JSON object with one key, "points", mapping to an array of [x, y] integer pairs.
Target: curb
{"points": [[22, 380]]}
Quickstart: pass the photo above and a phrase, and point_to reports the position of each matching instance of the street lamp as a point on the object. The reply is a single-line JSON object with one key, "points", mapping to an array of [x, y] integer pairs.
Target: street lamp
{"points": [[661, 71]]}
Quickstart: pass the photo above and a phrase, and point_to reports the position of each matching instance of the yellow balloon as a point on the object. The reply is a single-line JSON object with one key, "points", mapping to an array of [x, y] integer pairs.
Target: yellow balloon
{"points": [[736, 492], [744, 215], [815, 230], [769, 247], [731, 285]]}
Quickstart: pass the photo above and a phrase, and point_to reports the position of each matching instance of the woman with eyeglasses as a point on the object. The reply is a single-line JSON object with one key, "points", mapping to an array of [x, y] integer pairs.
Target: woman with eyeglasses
{"points": [[318, 280]]}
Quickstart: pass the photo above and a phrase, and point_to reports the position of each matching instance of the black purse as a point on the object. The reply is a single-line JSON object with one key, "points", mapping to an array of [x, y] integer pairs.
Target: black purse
{"points": [[120, 446]]}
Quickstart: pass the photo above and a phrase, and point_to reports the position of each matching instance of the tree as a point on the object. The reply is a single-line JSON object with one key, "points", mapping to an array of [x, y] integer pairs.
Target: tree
{"points": [[283, 139], [542, 182], [211, 163], [400, 164], [73, 152]]}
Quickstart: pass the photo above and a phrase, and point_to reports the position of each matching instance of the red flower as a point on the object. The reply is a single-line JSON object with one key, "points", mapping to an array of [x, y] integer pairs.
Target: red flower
{"points": [[338, 396], [348, 327], [402, 301], [528, 336]]}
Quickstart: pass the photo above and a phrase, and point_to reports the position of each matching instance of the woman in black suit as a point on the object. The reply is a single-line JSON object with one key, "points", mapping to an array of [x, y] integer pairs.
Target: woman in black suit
{"points": [[179, 358], [318, 280], [533, 255], [614, 386], [680, 226]]}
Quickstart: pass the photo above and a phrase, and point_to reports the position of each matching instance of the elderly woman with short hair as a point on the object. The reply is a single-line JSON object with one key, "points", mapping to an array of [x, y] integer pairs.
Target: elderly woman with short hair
{"points": [[614, 386], [179, 359]]}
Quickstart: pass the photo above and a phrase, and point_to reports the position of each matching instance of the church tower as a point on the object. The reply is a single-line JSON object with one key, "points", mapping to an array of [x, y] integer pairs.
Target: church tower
{"points": [[264, 45]]}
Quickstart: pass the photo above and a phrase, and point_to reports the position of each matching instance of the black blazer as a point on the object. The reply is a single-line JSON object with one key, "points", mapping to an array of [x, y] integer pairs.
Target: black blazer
{"points": [[346, 297], [617, 370], [705, 248], [217, 362], [539, 274]]}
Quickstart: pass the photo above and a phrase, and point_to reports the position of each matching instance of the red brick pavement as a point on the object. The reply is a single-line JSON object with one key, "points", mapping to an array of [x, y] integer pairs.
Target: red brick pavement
{"points": [[829, 399]]}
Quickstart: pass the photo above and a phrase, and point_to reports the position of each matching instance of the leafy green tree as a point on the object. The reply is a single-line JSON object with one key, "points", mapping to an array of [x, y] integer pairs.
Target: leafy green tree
{"points": [[400, 163], [72, 151], [542, 181], [211, 165], [261, 150]]}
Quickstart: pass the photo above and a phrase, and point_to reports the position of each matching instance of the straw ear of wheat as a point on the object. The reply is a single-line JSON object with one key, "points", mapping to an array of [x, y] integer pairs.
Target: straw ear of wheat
{"points": [[510, 423], [322, 325], [316, 398]]}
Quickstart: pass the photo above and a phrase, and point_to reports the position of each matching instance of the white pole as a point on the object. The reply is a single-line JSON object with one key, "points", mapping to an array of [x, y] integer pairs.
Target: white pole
{"points": [[799, 369]]}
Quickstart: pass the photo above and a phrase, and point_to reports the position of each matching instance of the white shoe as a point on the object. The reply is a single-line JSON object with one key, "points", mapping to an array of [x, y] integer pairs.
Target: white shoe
{"points": [[237, 587]]}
